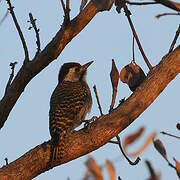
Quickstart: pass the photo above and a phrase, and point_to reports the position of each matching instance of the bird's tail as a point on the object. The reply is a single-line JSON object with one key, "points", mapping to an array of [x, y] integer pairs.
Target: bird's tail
{"points": [[57, 148]]}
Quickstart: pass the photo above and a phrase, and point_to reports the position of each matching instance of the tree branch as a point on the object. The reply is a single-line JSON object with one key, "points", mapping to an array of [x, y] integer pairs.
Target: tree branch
{"points": [[170, 4], [167, 14], [128, 13], [141, 3], [175, 39], [12, 64], [103, 129], [19, 31], [29, 70], [33, 23]]}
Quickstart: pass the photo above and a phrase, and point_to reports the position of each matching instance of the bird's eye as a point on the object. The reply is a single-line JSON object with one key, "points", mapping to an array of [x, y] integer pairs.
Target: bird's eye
{"points": [[77, 69]]}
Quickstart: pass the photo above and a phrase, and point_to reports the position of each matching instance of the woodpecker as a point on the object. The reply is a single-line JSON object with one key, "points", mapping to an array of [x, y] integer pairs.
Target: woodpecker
{"points": [[69, 105]]}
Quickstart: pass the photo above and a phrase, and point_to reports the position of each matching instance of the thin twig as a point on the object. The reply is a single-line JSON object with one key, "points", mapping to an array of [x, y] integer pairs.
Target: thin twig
{"points": [[67, 16], [67, 7], [113, 142], [11, 75], [167, 14], [175, 39], [97, 98], [141, 3], [133, 60], [168, 134], [6, 160], [4, 17], [130, 162], [33, 23], [66, 10], [63, 6], [128, 13], [19, 31]]}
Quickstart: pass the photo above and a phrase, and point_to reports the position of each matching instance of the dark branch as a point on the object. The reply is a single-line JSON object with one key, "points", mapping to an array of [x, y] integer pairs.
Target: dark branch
{"points": [[128, 13], [63, 6], [66, 10], [174, 40], [167, 14], [97, 98], [11, 75], [168, 134], [6, 160], [19, 31], [129, 161], [33, 23], [170, 4], [141, 3]]}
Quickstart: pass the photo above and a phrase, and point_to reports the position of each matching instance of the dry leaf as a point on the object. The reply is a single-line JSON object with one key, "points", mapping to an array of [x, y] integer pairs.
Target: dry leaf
{"points": [[160, 148], [94, 168], [153, 175], [133, 137], [114, 75], [111, 170], [133, 75], [147, 142], [178, 126], [177, 167]]}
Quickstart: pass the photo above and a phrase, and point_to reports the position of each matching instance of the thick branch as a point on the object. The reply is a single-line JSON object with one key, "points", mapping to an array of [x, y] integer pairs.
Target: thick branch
{"points": [[104, 128], [170, 4], [51, 52]]}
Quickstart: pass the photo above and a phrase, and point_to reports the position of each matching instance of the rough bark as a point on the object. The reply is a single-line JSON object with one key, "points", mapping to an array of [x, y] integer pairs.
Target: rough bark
{"points": [[31, 68], [103, 129]]}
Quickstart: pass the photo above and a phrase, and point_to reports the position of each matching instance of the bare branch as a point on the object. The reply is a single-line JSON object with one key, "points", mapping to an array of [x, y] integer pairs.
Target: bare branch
{"points": [[153, 175], [167, 14], [168, 134], [170, 4], [33, 23], [4, 17], [63, 6], [175, 39], [6, 160], [66, 10], [129, 161], [104, 128], [11, 75], [19, 30], [128, 13], [141, 3], [97, 98]]}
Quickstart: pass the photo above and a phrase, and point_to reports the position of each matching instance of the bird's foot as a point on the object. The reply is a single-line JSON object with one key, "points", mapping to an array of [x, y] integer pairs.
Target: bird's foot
{"points": [[89, 121]]}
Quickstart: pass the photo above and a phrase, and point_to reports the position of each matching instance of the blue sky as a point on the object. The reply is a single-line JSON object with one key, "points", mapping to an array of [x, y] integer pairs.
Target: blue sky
{"points": [[107, 36]]}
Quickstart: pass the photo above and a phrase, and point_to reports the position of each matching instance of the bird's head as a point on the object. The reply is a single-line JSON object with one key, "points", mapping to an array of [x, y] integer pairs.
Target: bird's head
{"points": [[73, 72]]}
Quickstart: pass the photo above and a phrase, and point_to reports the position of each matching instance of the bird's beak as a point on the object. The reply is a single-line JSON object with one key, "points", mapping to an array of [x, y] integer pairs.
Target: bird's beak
{"points": [[85, 66]]}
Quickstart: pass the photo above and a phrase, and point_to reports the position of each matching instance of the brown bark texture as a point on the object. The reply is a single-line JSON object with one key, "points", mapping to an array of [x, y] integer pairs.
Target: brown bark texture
{"points": [[103, 129]]}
